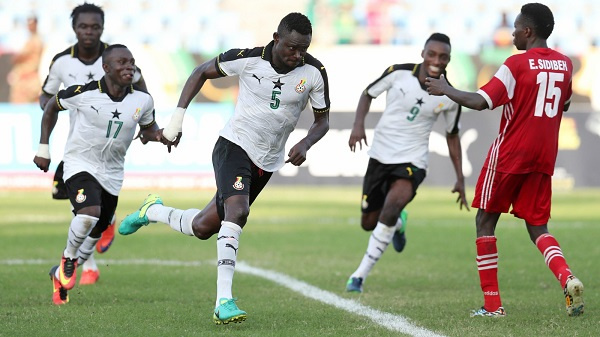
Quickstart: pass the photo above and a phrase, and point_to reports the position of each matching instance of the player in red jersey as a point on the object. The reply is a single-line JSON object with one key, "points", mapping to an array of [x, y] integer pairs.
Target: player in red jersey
{"points": [[534, 89]]}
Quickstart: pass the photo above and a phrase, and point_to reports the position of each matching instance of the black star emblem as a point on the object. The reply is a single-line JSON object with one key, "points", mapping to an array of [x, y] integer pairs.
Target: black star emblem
{"points": [[116, 114], [90, 76], [278, 84], [419, 101]]}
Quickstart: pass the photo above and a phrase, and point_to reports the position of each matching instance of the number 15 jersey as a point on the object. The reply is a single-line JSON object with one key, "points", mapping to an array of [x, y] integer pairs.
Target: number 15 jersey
{"points": [[533, 87]]}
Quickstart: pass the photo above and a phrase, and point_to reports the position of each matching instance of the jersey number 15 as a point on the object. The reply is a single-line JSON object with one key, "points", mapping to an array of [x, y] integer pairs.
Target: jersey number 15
{"points": [[548, 91]]}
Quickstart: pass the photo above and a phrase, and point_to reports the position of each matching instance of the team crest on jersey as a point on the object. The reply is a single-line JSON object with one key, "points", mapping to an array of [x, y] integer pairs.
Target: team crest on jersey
{"points": [[136, 114], [438, 108], [80, 196], [300, 87], [364, 204], [238, 185]]}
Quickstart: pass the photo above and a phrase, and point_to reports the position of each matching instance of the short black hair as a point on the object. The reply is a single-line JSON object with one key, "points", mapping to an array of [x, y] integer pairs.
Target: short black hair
{"points": [[440, 38], [540, 18], [109, 50], [295, 21], [85, 8]]}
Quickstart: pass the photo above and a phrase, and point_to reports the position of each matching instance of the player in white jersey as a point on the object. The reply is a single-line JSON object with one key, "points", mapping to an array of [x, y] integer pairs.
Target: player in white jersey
{"points": [[276, 82], [398, 155], [104, 115], [80, 64]]}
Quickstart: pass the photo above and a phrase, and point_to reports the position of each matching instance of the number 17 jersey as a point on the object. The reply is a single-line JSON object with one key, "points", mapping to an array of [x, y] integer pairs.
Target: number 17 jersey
{"points": [[533, 88]]}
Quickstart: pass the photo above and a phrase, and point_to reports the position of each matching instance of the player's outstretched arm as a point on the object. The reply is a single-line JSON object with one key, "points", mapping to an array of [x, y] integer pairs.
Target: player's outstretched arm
{"points": [[455, 152], [358, 134], [439, 87], [203, 72], [49, 118], [318, 129]]}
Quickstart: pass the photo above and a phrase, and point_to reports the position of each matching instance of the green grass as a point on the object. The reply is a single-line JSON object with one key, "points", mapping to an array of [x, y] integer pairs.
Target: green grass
{"points": [[311, 234]]}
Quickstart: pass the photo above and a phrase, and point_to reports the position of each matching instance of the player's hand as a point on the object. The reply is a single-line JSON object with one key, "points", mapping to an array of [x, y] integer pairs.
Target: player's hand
{"points": [[357, 135], [168, 142], [436, 86], [459, 188], [297, 154], [145, 137], [42, 163]]}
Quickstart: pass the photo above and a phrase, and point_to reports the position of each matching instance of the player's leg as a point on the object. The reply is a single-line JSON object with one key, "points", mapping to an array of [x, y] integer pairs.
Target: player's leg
{"points": [[108, 236], [492, 196], [239, 182], [85, 195], [533, 205], [90, 271]]}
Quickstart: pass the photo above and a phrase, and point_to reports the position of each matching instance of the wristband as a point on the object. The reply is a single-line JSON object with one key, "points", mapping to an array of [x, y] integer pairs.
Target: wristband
{"points": [[175, 125], [43, 151]]}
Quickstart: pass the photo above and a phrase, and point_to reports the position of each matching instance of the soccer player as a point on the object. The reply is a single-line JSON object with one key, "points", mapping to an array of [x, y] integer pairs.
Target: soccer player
{"points": [[398, 155], [104, 116], [80, 64], [534, 89], [276, 82]]}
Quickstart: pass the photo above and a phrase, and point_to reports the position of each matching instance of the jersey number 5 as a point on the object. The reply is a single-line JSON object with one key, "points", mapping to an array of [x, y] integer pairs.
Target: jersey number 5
{"points": [[548, 90]]}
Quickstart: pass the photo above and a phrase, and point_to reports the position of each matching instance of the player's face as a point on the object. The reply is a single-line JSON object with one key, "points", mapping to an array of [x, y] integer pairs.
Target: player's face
{"points": [[289, 49], [519, 34], [120, 66], [88, 29], [436, 57]]}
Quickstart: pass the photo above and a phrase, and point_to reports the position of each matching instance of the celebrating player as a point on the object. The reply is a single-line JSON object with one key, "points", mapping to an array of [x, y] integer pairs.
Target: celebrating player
{"points": [[80, 64], [276, 82], [534, 89], [400, 148], [104, 116]]}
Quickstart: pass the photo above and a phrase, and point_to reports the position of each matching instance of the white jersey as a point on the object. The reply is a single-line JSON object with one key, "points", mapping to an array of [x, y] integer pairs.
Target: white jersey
{"points": [[402, 133], [102, 128], [67, 69], [269, 103]]}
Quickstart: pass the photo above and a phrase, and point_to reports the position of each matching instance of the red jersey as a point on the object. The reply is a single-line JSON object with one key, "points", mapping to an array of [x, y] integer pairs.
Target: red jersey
{"points": [[533, 87]]}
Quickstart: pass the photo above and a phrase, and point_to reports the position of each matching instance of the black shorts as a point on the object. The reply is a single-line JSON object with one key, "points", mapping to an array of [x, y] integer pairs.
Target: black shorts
{"points": [[235, 174], [84, 190], [379, 178], [59, 190]]}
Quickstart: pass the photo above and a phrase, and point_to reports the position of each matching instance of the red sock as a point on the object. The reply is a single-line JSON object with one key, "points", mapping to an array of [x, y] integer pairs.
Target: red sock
{"points": [[487, 265], [553, 257]]}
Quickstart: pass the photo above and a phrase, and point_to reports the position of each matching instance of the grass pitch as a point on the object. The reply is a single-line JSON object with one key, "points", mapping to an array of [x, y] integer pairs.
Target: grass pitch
{"points": [[313, 235]]}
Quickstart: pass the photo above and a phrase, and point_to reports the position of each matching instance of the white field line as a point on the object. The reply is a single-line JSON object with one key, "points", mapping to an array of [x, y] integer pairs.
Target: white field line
{"points": [[389, 321]]}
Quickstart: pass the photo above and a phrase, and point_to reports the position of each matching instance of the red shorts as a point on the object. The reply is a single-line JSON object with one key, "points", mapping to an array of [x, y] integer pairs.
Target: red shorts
{"points": [[529, 194]]}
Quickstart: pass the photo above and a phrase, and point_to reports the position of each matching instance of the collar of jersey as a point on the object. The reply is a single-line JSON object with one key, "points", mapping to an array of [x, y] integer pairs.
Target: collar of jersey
{"points": [[102, 87], [75, 53]]}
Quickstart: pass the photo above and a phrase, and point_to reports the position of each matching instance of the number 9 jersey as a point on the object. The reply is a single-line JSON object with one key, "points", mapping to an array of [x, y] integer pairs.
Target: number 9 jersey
{"points": [[533, 87]]}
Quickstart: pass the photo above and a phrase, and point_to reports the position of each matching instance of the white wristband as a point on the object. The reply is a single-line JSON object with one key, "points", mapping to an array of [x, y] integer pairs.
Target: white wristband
{"points": [[175, 125], [43, 151]]}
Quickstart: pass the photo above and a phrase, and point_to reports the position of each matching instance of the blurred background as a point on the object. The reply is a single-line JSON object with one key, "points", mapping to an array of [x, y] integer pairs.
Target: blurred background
{"points": [[355, 40]]}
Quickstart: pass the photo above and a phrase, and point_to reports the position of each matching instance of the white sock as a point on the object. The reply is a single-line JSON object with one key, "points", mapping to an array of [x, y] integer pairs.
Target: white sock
{"points": [[227, 247], [180, 220], [399, 224], [86, 254], [81, 226], [378, 242]]}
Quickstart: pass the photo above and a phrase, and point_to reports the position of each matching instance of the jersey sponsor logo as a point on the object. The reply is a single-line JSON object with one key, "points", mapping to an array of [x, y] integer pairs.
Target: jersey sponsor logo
{"points": [[136, 114], [80, 196], [300, 87], [238, 185], [78, 89], [241, 53], [257, 78], [97, 110], [74, 77]]}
